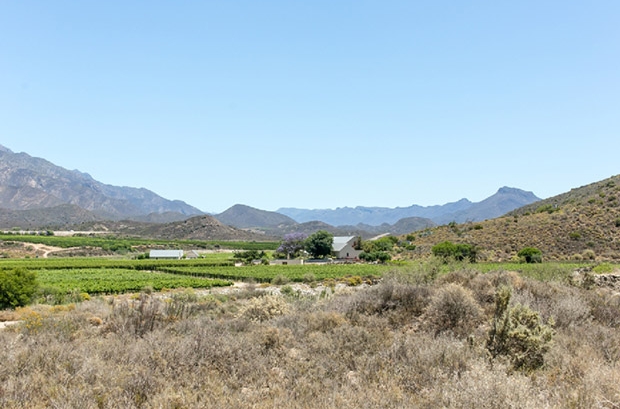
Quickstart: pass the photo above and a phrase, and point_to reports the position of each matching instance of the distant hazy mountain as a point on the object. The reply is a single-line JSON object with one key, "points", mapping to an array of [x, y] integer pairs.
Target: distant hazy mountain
{"points": [[28, 183], [245, 217], [276, 224], [505, 200]]}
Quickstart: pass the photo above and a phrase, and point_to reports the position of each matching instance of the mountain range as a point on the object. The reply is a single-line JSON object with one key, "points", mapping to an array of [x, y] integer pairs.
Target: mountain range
{"points": [[505, 200], [35, 194], [29, 183]]}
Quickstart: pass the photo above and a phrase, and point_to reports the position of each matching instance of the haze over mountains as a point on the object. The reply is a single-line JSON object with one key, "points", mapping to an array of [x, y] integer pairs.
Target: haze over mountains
{"points": [[36, 193], [505, 200]]}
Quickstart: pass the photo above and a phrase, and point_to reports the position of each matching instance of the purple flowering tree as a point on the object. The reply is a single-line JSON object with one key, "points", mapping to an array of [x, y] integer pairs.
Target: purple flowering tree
{"points": [[292, 244]]}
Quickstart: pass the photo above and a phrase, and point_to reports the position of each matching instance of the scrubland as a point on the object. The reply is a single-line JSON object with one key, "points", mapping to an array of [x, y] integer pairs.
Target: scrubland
{"points": [[420, 338]]}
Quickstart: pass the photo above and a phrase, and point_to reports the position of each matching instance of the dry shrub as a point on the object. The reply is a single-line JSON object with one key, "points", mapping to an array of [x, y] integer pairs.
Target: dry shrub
{"points": [[264, 308], [455, 310], [136, 317], [461, 277], [400, 302], [420, 361], [324, 321], [566, 305], [605, 307], [482, 386]]}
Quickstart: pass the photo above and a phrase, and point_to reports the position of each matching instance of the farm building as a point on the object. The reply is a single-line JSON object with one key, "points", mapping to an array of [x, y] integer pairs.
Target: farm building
{"points": [[344, 247], [166, 254], [192, 254]]}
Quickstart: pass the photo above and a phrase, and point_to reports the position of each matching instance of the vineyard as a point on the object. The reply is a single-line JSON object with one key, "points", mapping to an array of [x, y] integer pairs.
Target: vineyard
{"points": [[58, 277], [115, 281], [260, 273]]}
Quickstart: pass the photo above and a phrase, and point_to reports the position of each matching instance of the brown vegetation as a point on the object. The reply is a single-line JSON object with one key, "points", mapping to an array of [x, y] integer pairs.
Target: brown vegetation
{"points": [[411, 341]]}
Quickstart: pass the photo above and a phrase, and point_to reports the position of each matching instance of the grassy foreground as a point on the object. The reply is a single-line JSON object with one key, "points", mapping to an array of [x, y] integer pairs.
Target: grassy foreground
{"points": [[423, 337]]}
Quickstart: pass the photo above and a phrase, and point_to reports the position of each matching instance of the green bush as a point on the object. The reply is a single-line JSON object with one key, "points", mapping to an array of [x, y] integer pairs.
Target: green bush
{"points": [[381, 256], [530, 255], [461, 251], [549, 208], [17, 287]]}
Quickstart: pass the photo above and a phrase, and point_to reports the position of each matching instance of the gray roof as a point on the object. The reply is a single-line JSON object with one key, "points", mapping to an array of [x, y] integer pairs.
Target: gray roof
{"points": [[341, 241], [166, 253]]}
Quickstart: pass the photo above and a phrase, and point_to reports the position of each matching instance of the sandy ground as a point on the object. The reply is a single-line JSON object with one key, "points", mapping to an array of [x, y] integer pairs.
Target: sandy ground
{"points": [[46, 250]]}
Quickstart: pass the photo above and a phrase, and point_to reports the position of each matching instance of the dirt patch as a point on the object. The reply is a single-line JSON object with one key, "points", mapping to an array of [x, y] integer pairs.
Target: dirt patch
{"points": [[5, 324]]}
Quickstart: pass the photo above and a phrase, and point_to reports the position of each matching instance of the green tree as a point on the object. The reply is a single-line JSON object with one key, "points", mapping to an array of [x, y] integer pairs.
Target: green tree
{"points": [[461, 251], [320, 244], [248, 256], [382, 244], [530, 255], [381, 256], [17, 287]]}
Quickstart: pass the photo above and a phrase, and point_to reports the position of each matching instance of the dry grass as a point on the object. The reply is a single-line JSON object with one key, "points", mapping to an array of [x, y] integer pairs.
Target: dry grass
{"points": [[375, 348]]}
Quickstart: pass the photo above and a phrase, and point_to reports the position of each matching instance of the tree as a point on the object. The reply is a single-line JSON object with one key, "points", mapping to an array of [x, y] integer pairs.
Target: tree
{"points": [[461, 251], [530, 255], [17, 287], [382, 244], [248, 257], [381, 256], [320, 244], [292, 244]]}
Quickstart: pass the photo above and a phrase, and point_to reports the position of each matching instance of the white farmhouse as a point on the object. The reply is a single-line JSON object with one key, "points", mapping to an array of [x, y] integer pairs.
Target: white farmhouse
{"points": [[343, 247]]}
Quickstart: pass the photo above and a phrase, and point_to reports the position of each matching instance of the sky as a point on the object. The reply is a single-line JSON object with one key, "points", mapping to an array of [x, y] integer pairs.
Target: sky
{"points": [[316, 104]]}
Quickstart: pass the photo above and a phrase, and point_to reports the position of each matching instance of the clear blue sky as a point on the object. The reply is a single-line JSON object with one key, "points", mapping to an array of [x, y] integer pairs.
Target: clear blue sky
{"points": [[316, 104]]}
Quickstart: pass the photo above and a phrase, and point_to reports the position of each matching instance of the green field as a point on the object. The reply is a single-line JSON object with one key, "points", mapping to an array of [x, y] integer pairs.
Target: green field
{"points": [[115, 281], [262, 273]]}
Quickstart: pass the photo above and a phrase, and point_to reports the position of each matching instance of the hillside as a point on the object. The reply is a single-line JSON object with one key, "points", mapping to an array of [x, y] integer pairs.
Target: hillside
{"points": [[28, 183], [46, 218], [503, 201], [582, 223]]}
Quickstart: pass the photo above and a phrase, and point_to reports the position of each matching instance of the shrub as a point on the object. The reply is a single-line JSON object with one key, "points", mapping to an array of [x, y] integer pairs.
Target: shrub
{"points": [[264, 308], [17, 287], [588, 254], [455, 310], [549, 208], [308, 278], [530, 255], [380, 256], [280, 279], [448, 250], [518, 333]]}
